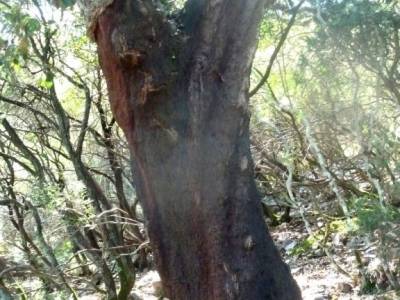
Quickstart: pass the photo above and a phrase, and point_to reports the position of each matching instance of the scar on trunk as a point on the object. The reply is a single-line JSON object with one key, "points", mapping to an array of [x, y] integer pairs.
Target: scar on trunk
{"points": [[148, 88], [131, 58]]}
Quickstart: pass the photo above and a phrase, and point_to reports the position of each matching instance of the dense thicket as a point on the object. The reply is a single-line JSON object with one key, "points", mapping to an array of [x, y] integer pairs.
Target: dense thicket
{"points": [[324, 134]]}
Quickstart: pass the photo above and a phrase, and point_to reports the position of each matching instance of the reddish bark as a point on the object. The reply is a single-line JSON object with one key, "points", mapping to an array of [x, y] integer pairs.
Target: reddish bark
{"points": [[181, 98], [115, 73]]}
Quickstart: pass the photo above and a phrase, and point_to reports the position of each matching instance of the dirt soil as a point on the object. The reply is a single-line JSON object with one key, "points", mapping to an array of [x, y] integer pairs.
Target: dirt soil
{"points": [[317, 277]]}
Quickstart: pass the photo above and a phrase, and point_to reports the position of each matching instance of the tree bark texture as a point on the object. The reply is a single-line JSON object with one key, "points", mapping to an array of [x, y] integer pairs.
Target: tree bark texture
{"points": [[178, 88]]}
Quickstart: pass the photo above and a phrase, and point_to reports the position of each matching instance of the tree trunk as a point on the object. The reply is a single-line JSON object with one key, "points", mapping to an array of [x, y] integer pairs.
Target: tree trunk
{"points": [[179, 90]]}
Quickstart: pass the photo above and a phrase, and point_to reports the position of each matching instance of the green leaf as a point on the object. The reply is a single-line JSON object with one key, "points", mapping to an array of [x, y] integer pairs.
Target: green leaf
{"points": [[68, 3], [31, 25], [63, 3], [46, 84]]}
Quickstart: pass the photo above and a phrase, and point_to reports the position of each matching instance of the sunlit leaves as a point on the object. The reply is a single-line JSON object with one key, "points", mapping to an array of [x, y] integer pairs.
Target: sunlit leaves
{"points": [[46, 84], [359, 27], [30, 25], [63, 3], [371, 215], [44, 196], [47, 81], [17, 27], [18, 23]]}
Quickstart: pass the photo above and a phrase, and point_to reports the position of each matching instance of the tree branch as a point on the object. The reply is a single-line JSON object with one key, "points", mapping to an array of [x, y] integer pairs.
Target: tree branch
{"points": [[277, 50], [15, 139]]}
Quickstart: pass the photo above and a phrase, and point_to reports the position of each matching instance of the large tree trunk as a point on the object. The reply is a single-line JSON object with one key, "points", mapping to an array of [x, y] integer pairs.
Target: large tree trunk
{"points": [[180, 93]]}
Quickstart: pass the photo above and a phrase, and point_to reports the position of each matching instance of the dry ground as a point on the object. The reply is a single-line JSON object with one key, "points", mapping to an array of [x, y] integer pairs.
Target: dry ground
{"points": [[316, 276]]}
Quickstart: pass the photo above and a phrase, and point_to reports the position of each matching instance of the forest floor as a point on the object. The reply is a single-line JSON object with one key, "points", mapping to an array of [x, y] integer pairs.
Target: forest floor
{"points": [[317, 277]]}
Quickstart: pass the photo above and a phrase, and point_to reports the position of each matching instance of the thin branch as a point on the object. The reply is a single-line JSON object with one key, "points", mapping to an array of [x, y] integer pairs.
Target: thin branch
{"points": [[277, 50], [16, 140]]}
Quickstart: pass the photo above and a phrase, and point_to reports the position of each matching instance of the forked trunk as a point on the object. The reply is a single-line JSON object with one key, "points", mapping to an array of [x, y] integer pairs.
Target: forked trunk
{"points": [[180, 93]]}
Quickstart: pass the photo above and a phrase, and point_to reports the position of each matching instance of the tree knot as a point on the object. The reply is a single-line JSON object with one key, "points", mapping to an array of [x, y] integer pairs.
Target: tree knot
{"points": [[249, 243]]}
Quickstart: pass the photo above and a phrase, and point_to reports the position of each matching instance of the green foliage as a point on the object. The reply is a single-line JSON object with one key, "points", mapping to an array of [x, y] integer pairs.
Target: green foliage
{"points": [[368, 287], [21, 24], [343, 226], [45, 83], [63, 3], [268, 30], [305, 246], [19, 27], [63, 251], [355, 30], [46, 196], [371, 215]]}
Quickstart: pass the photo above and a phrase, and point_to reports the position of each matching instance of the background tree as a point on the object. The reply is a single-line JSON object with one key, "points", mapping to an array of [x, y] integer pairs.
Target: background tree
{"points": [[42, 153]]}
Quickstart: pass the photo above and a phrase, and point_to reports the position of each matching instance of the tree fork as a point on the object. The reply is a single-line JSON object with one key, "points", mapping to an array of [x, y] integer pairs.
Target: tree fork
{"points": [[180, 93]]}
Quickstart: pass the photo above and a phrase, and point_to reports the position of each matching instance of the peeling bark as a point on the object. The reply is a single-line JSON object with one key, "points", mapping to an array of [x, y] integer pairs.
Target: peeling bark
{"points": [[180, 93]]}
